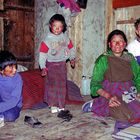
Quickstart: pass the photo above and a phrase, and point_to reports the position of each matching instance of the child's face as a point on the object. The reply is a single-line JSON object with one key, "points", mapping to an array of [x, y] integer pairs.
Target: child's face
{"points": [[9, 70], [138, 31], [117, 45], [56, 27]]}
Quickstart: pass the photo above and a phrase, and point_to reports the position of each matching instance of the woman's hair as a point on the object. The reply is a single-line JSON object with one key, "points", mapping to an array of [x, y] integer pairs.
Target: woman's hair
{"points": [[6, 58], [137, 22], [58, 17], [115, 32]]}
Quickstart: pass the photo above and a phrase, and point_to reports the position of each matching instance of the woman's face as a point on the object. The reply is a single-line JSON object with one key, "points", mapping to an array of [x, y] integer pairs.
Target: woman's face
{"points": [[117, 45], [9, 70], [57, 27]]}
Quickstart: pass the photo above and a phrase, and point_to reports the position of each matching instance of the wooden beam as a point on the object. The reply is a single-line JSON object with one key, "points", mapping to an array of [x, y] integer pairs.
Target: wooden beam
{"points": [[125, 3], [17, 7], [126, 21], [1, 33], [109, 18]]}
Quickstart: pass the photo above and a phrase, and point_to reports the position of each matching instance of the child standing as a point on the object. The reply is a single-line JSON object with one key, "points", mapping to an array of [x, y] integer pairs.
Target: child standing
{"points": [[55, 50], [10, 87]]}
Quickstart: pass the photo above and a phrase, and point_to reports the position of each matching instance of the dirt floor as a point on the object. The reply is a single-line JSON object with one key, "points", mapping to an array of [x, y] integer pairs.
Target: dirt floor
{"points": [[81, 127]]}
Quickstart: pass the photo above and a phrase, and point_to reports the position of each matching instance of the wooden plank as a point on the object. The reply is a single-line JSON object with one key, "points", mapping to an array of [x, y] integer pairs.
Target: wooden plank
{"points": [[126, 21], [19, 30], [1, 33], [109, 18], [125, 18], [18, 7], [29, 33], [20, 35], [125, 3]]}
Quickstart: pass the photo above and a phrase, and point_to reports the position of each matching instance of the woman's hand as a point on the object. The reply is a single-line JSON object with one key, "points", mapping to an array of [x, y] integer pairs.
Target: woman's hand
{"points": [[114, 102]]}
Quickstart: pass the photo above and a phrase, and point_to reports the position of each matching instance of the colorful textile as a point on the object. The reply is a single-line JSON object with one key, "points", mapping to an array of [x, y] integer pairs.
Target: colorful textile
{"points": [[130, 133], [71, 4], [101, 65], [116, 86], [33, 88], [58, 90], [55, 87], [100, 105]]}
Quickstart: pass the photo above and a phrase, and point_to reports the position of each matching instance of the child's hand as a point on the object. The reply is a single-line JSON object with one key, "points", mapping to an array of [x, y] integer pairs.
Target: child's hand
{"points": [[44, 72], [72, 63]]}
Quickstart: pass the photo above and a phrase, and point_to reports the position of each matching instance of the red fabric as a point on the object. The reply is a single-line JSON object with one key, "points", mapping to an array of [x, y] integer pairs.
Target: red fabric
{"points": [[70, 45], [125, 3], [71, 4], [55, 87], [33, 88], [44, 48]]}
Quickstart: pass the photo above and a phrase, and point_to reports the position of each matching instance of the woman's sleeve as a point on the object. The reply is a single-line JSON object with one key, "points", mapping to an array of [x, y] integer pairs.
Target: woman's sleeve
{"points": [[98, 75], [136, 72]]}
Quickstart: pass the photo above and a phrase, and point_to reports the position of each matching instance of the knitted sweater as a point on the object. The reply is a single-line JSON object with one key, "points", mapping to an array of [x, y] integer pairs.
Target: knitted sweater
{"points": [[10, 92], [55, 48]]}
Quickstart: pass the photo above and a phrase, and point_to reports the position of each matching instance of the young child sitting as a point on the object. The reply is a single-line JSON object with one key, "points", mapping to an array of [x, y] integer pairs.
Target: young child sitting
{"points": [[10, 87]]}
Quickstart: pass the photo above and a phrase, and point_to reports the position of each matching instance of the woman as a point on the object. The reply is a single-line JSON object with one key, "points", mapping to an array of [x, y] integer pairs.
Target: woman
{"points": [[116, 80]]}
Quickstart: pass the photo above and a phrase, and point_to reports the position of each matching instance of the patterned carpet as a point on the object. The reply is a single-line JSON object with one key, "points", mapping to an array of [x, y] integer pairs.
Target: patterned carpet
{"points": [[82, 127]]}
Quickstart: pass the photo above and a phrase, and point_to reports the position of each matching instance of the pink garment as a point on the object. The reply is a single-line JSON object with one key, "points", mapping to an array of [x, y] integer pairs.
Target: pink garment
{"points": [[71, 4]]}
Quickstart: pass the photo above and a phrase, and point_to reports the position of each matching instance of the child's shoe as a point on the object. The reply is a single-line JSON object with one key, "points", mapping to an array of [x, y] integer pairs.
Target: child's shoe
{"points": [[54, 109], [33, 122], [59, 109], [87, 106]]}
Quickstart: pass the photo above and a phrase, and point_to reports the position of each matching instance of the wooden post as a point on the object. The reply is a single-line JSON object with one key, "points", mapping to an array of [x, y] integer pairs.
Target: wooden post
{"points": [[109, 18], [1, 33]]}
